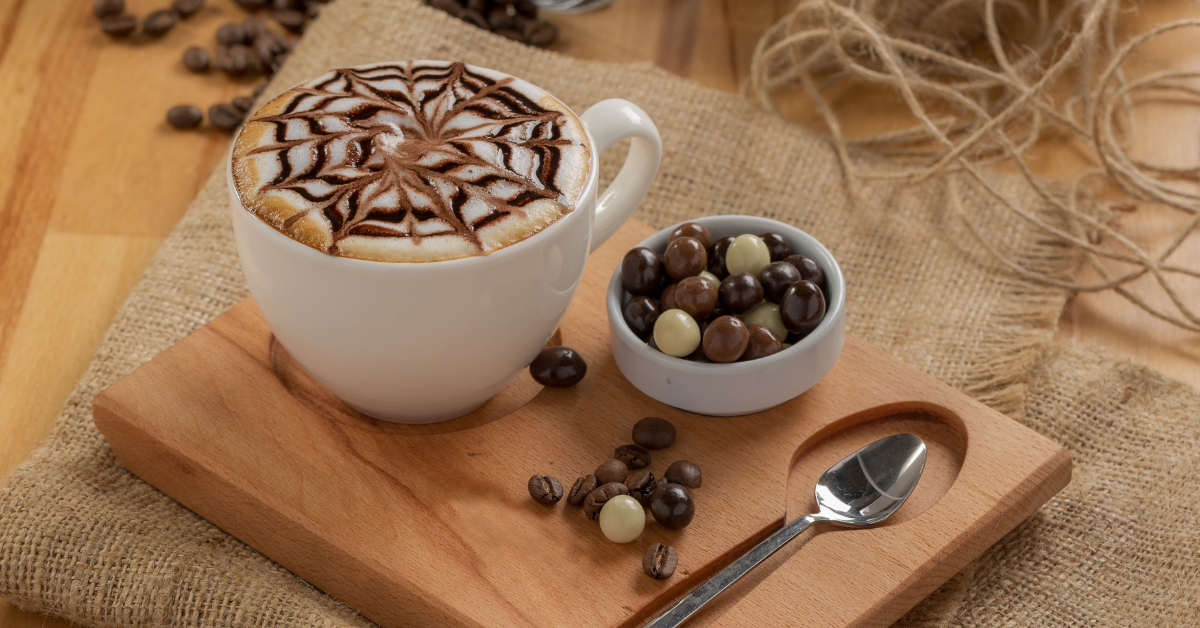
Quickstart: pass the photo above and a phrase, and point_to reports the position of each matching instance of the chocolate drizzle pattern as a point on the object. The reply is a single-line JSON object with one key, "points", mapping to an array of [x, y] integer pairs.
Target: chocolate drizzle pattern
{"points": [[415, 151]]}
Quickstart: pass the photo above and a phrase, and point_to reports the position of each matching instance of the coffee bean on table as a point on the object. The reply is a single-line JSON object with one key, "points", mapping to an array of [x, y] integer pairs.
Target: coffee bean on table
{"points": [[118, 26], [693, 230], [809, 271], [185, 116], [778, 247], [660, 561], [158, 23], [224, 116], [697, 296], [187, 8], [740, 292], [640, 314], [473, 17], [581, 488], [499, 19], [725, 340], [763, 342], [684, 257], [654, 433], [197, 59], [642, 271], [545, 489], [776, 278], [449, 6], [802, 307], [634, 456], [231, 33], [747, 254], [558, 367], [105, 8], [685, 473], [243, 103], [672, 506], [595, 500], [290, 19], [525, 7], [641, 484], [610, 471], [716, 257], [288, 4]]}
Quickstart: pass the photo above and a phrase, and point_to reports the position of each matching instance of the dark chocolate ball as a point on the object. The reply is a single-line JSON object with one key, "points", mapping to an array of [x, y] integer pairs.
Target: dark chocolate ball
{"points": [[762, 343], [696, 296], [693, 230], [802, 307], [666, 301], [725, 339], [776, 246], [809, 271], [672, 506], [776, 278], [740, 292], [642, 271], [716, 257], [640, 314], [558, 367], [685, 257]]}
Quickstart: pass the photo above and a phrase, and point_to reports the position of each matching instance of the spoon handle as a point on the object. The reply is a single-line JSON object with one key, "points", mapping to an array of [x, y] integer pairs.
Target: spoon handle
{"points": [[703, 594]]}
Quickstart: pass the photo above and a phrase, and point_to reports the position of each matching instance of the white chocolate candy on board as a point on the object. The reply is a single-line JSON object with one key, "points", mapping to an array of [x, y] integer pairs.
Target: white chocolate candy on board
{"points": [[677, 334], [767, 315], [747, 254], [622, 519]]}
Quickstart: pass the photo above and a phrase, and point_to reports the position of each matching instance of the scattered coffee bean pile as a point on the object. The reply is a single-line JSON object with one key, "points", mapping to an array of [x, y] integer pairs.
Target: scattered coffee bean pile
{"points": [[734, 299], [514, 19], [621, 489]]}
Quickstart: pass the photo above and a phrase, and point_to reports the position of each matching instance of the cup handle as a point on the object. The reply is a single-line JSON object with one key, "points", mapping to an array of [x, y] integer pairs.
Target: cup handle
{"points": [[608, 122]]}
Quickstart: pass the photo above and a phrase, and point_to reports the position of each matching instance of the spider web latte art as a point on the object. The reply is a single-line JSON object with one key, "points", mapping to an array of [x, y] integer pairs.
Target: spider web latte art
{"points": [[411, 162]]}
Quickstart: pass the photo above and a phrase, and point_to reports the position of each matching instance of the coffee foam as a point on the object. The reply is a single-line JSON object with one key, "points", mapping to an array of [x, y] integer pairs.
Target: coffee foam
{"points": [[411, 162]]}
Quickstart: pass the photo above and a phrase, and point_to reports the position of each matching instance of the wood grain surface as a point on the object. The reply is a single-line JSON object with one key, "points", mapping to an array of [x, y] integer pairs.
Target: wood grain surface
{"points": [[432, 525], [92, 179]]}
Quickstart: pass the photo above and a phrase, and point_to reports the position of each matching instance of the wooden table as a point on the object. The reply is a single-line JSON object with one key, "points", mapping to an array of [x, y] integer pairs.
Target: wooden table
{"points": [[92, 179]]}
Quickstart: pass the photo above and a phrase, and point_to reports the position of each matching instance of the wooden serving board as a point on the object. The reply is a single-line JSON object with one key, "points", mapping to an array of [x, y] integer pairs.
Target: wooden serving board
{"points": [[432, 525]]}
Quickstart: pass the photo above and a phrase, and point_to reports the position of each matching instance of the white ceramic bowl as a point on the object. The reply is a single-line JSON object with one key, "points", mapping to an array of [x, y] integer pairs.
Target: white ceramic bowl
{"points": [[741, 387]]}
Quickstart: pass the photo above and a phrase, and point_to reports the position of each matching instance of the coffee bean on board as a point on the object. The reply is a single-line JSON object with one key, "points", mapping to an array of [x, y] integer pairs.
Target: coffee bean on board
{"points": [[763, 342], [641, 484], [288, 4], [545, 489], [449, 6], [640, 314], [290, 19], [685, 473], [473, 17], [158, 23], [660, 561], [558, 367], [642, 271], [187, 8], [525, 7], [594, 502], [581, 488], [634, 456], [684, 257], [197, 59], [252, 5], [237, 60], [654, 433], [740, 292], [778, 247], [672, 506], [541, 33], [185, 116], [231, 33], [611, 470], [776, 278], [224, 116], [499, 19], [118, 26], [105, 8], [693, 230], [802, 307], [242, 103], [716, 257]]}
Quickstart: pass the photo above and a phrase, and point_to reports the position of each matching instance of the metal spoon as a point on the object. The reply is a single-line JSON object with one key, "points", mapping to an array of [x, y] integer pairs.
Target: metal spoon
{"points": [[863, 489]]}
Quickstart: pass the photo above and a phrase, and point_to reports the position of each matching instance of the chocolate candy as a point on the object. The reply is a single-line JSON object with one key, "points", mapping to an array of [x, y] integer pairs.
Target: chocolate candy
{"points": [[685, 257], [716, 281], [747, 254], [676, 333], [766, 314], [659, 561], [725, 340], [581, 488], [654, 433], [693, 230], [763, 342], [740, 292], [776, 246], [597, 498], [640, 314], [802, 307], [610, 471], [672, 506], [641, 484], [666, 301], [642, 271], [622, 519], [776, 278], [697, 296], [545, 489], [558, 367], [716, 257], [684, 472], [809, 270], [634, 456]]}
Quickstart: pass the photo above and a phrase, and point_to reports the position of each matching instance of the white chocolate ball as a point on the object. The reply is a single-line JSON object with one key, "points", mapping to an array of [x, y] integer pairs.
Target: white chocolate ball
{"points": [[677, 334], [767, 315], [711, 277], [747, 254], [622, 519]]}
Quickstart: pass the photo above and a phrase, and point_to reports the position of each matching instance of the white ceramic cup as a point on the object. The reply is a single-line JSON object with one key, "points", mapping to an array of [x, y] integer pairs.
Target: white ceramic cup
{"points": [[427, 342]]}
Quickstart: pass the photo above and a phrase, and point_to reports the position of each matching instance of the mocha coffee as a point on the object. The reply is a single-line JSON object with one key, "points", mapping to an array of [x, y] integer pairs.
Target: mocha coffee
{"points": [[411, 162]]}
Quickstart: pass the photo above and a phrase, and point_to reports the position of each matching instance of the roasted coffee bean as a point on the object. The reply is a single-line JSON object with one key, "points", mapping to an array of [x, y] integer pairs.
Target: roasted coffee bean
{"points": [[558, 367], [105, 8], [478, 6], [740, 292], [634, 456], [232, 33], [254, 27], [284, 5], [526, 8], [642, 271], [697, 296], [595, 500], [473, 17], [243, 103], [499, 19], [685, 473], [640, 314], [509, 33], [581, 488], [118, 26], [693, 230], [654, 433], [541, 33], [185, 116], [290, 19], [778, 247], [809, 271], [225, 116], [666, 301], [449, 6], [684, 257], [235, 60], [611, 470], [252, 5], [776, 278], [802, 307], [187, 8], [641, 484], [158, 23], [197, 59], [266, 49], [672, 506], [660, 561], [725, 340], [545, 489], [763, 342]]}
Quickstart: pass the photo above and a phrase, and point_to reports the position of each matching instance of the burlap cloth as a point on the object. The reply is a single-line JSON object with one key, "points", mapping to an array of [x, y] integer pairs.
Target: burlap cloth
{"points": [[83, 539]]}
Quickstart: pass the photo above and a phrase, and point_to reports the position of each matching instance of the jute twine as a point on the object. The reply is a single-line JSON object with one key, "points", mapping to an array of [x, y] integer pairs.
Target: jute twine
{"points": [[983, 80]]}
